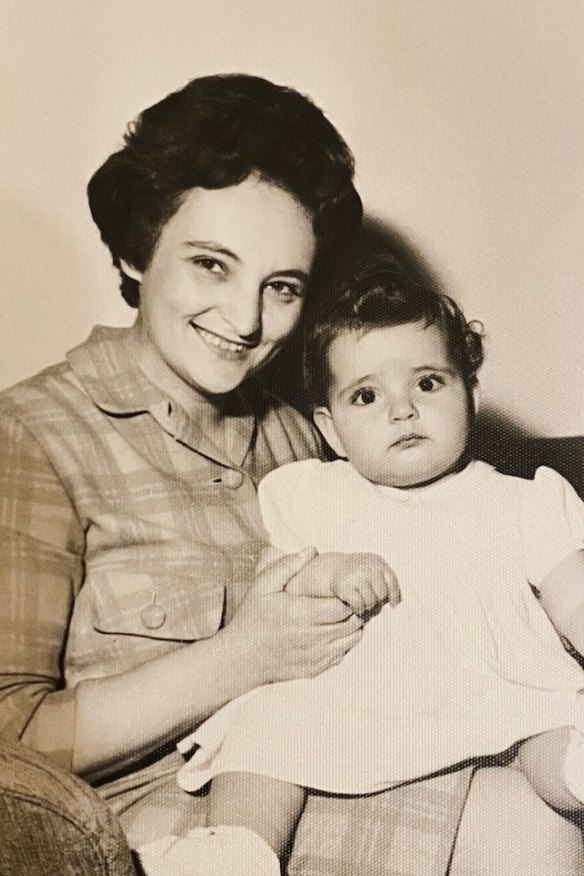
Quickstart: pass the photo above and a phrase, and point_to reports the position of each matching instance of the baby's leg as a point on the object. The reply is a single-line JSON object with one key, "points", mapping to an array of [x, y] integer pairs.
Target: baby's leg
{"points": [[506, 828], [251, 823], [268, 807], [553, 762]]}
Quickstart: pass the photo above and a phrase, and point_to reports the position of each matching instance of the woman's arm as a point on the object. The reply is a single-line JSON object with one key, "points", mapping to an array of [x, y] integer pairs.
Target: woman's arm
{"points": [[273, 637], [41, 543], [103, 725]]}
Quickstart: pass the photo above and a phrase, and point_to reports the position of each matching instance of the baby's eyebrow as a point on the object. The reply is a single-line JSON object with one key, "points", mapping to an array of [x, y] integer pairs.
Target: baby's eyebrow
{"points": [[354, 384]]}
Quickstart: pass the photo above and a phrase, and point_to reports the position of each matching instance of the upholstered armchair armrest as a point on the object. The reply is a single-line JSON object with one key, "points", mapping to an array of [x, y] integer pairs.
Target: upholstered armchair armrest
{"points": [[52, 823]]}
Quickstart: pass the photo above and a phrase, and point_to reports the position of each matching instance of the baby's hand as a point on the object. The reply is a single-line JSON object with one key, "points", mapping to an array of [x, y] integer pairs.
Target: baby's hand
{"points": [[365, 583]]}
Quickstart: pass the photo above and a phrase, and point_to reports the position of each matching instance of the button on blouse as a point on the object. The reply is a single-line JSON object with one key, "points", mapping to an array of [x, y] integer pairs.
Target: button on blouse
{"points": [[232, 479]]}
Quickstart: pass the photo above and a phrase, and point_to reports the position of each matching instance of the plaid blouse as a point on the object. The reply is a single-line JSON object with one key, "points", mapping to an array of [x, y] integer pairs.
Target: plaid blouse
{"points": [[124, 532]]}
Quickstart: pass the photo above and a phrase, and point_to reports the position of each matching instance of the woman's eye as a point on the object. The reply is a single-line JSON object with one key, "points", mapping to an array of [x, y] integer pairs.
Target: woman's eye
{"points": [[212, 266], [284, 289], [364, 396], [430, 382]]}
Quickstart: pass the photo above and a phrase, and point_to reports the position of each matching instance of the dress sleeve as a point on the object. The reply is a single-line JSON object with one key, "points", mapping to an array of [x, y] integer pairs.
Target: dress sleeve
{"points": [[40, 573], [285, 502], [552, 519]]}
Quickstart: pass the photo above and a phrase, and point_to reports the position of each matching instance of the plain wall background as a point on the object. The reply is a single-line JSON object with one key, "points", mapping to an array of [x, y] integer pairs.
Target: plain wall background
{"points": [[466, 118]]}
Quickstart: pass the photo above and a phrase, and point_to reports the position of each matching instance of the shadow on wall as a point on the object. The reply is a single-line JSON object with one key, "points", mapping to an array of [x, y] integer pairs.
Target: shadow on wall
{"points": [[504, 442], [493, 428], [377, 236], [284, 375]]}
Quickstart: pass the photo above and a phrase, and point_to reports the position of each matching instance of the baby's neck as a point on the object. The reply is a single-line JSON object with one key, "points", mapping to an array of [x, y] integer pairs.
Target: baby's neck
{"points": [[447, 474]]}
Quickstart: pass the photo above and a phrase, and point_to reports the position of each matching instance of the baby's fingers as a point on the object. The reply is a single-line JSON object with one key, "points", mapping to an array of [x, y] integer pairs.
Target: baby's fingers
{"points": [[368, 598], [375, 586], [381, 578], [392, 587]]}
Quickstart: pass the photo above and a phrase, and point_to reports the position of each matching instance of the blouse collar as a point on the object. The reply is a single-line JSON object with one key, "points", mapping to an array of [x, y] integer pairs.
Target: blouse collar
{"points": [[107, 370]]}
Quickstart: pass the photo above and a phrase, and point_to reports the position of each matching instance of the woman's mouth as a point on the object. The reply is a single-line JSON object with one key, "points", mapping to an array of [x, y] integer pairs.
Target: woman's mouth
{"points": [[218, 342]]}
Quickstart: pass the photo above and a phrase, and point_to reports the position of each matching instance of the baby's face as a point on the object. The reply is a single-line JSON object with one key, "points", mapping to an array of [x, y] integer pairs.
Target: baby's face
{"points": [[398, 410]]}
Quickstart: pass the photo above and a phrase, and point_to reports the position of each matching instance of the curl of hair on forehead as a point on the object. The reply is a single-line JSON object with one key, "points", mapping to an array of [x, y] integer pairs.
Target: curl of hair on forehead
{"points": [[382, 293]]}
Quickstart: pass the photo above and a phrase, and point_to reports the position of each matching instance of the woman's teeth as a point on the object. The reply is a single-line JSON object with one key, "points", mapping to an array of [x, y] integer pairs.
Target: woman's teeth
{"points": [[217, 341]]}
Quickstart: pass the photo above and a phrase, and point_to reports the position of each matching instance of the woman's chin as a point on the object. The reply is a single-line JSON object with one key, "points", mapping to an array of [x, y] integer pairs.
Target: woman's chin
{"points": [[217, 384]]}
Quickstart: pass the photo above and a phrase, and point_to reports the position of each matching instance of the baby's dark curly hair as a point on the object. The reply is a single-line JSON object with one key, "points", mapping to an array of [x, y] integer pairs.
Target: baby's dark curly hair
{"points": [[379, 294], [214, 133]]}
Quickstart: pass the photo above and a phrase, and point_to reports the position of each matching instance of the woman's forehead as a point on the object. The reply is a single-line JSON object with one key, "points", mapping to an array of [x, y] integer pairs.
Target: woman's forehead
{"points": [[250, 215]]}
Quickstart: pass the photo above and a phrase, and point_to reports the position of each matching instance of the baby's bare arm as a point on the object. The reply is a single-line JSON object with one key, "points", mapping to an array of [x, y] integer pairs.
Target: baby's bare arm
{"points": [[364, 582], [562, 596]]}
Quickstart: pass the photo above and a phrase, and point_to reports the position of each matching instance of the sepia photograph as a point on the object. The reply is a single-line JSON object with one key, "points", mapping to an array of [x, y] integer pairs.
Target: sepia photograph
{"points": [[292, 438]]}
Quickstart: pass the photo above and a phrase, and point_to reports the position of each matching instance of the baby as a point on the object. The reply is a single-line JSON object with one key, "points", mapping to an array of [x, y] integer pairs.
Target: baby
{"points": [[491, 573]]}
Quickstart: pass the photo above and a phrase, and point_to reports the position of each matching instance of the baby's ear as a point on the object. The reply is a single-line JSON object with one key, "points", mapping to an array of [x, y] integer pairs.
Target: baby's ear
{"points": [[324, 422]]}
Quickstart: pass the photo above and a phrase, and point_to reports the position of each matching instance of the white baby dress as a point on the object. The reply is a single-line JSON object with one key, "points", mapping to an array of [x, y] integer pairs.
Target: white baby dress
{"points": [[467, 664]]}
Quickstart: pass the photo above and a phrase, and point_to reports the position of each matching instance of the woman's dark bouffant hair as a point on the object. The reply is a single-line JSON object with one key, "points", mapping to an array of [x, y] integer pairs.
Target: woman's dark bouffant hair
{"points": [[214, 133], [382, 293]]}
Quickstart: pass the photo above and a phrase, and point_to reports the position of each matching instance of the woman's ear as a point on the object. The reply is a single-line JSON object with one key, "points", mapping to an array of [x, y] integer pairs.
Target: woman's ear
{"points": [[324, 421], [131, 272]]}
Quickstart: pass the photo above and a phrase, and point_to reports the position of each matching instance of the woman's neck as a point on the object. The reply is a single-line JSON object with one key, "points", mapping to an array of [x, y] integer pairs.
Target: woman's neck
{"points": [[195, 403]]}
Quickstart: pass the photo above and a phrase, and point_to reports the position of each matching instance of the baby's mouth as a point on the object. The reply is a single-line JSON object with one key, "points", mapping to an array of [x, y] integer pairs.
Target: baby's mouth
{"points": [[218, 341], [408, 440]]}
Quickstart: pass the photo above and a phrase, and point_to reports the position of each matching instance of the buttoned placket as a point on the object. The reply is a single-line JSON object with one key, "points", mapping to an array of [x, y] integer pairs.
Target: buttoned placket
{"points": [[176, 422], [181, 427], [128, 393]]}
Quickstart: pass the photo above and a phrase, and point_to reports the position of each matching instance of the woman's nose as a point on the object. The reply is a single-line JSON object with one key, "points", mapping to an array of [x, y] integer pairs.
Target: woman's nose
{"points": [[244, 314]]}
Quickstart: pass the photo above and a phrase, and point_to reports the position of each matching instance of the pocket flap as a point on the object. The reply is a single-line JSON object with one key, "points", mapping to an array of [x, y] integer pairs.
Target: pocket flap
{"points": [[185, 603]]}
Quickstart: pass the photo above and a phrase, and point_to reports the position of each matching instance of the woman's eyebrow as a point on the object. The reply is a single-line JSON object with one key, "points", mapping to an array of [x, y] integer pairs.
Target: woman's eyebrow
{"points": [[291, 272], [212, 246], [219, 249], [439, 369]]}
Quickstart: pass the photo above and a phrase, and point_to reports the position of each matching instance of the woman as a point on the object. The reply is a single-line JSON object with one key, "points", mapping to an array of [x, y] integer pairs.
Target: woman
{"points": [[130, 527]]}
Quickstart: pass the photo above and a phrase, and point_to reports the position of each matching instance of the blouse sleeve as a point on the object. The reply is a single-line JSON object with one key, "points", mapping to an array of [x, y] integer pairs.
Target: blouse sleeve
{"points": [[40, 573], [286, 499], [552, 519]]}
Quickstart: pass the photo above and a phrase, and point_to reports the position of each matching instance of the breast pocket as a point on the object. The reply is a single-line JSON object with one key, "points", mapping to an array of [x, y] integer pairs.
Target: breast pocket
{"points": [[178, 599]]}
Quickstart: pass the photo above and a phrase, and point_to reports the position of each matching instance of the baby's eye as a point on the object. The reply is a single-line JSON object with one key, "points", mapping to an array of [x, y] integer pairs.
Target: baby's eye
{"points": [[430, 383], [285, 289], [212, 266], [364, 396]]}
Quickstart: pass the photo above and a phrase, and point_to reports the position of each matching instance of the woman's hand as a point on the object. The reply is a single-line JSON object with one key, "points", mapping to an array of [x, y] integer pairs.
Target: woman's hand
{"points": [[279, 636]]}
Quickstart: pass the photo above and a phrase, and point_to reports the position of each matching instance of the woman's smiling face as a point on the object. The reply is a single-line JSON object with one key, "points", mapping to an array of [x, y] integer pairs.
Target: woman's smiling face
{"points": [[225, 285]]}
